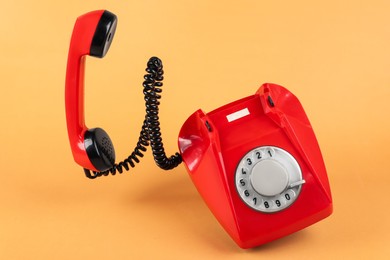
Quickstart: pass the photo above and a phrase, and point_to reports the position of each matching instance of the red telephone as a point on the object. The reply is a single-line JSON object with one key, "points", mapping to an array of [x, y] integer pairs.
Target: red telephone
{"points": [[256, 162]]}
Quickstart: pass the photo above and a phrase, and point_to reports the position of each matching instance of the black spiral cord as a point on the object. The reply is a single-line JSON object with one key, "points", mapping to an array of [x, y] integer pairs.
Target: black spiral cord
{"points": [[150, 133]]}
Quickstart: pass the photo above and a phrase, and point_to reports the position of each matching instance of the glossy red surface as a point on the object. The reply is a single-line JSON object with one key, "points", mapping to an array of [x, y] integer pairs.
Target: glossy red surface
{"points": [[80, 44], [211, 154]]}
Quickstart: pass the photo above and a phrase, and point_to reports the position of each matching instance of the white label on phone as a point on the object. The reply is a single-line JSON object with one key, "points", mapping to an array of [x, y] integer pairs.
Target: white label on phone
{"points": [[237, 115]]}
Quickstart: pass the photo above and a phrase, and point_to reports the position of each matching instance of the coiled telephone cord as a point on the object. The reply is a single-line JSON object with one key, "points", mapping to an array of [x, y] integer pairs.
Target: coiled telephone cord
{"points": [[150, 132]]}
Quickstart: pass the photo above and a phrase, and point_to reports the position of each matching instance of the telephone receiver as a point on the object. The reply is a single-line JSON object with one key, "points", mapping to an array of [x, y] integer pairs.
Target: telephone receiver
{"points": [[92, 148], [92, 35], [256, 161]]}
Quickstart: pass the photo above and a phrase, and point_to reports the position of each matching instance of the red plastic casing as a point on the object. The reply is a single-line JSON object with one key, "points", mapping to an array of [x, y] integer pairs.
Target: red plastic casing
{"points": [[211, 154], [80, 45]]}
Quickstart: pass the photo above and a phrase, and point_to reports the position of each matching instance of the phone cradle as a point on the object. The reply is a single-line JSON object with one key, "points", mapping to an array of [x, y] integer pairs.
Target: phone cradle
{"points": [[257, 164]]}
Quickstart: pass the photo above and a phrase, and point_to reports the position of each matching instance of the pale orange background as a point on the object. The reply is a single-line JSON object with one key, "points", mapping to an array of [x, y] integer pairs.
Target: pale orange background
{"points": [[333, 55]]}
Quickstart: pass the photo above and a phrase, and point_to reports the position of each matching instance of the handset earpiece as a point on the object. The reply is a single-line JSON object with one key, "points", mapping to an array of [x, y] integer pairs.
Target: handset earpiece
{"points": [[104, 35], [92, 35]]}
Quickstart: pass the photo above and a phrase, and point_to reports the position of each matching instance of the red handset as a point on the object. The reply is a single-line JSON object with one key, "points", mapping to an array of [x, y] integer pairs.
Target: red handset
{"points": [[257, 164], [92, 148], [92, 35]]}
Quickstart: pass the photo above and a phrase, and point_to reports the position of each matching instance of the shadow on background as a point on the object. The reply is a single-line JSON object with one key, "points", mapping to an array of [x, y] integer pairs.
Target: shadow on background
{"points": [[177, 199]]}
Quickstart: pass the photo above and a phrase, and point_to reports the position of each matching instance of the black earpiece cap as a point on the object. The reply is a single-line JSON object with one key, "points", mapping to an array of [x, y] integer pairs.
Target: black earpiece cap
{"points": [[104, 34], [99, 148]]}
